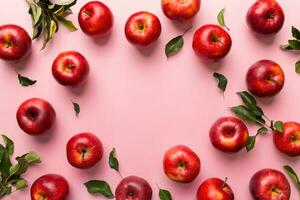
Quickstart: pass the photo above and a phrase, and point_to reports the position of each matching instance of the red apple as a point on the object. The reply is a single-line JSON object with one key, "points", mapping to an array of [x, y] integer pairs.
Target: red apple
{"points": [[265, 78], [288, 141], [215, 189], [211, 42], [50, 187], [95, 18], [142, 28], [84, 150], [180, 10], [265, 17], [229, 134], [269, 184], [133, 188], [35, 116], [15, 43], [181, 164], [70, 68]]}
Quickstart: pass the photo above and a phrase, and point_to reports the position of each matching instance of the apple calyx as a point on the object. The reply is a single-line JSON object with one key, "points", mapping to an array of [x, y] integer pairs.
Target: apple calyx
{"points": [[182, 164]]}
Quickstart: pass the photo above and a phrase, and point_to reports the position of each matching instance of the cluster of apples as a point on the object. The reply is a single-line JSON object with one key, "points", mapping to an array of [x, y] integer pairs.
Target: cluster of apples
{"points": [[211, 42]]}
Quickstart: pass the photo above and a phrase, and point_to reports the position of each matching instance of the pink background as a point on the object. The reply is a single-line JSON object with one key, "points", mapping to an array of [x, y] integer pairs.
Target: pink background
{"points": [[142, 104]]}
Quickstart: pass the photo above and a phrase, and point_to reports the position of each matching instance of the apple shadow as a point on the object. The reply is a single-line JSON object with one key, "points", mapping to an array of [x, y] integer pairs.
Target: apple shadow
{"points": [[264, 39], [102, 39], [183, 26], [21, 64], [266, 100], [149, 50], [47, 135], [79, 89]]}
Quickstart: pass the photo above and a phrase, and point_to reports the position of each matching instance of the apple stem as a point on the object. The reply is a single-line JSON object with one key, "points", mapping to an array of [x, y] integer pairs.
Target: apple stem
{"points": [[225, 182]]}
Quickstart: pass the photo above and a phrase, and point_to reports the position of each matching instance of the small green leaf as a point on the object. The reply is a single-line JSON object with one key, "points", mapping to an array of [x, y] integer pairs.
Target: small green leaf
{"points": [[21, 184], [68, 3], [278, 125], [297, 67], [68, 24], [250, 102], [9, 144], [99, 187], [53, 29], [295, 33], [164, 195], [262, 130], [250, 143], [20, 168], [174, 45], [24, 81], [286, 47], [113, 161], [221, 19], [244, 113], [32, 158], [2, 151], [293, 175], [76, 108], [295, 44], [222, 81]]}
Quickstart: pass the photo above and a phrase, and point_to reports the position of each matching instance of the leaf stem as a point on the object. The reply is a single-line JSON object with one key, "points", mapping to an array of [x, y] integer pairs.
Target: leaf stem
{"points": [[187, 30]]}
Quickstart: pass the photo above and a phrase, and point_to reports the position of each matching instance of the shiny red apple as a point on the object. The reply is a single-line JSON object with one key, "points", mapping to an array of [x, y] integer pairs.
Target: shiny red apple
{"points": [[142, 28], [229, 134], [181, 164], [70, 68], [215, 189], [15, 43], [133, 188], [84, 150], [288, 142], [50, 187], [211, 42], [180, 10], [95, 18], [35, 116], [265, 78], [265, 17], [269, 184]]}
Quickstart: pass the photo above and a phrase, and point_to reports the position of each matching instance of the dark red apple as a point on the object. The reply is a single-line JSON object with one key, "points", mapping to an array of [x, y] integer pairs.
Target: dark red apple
{"points": [[265, 78], [35, 116], [70, 68], [84, 150], [180, 10], [15, 43], [215, 189], [288, 142], [181, 164], [95, 18], [211, 42], [50, 187], [265, 17], [142, 29], [270, 184], [229, 134], [133, 188]]}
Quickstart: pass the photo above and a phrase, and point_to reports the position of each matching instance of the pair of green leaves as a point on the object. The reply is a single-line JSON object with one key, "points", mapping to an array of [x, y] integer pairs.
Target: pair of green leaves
{"points": [[11, 174], [46, 17], [293, 175]]}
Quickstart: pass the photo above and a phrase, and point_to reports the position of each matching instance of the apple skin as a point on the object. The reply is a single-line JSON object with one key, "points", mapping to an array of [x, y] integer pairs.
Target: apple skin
{"points": [[70, 68], [84, 150], [95, 18], [211, 42], [229, 134], [50, 187], [133, 188], [142, 29], [288, 142], [214, 188], [265, 78], [35, 116], [265, 17], [269, 184], [180, 10], [181, 164], [15, 43]]}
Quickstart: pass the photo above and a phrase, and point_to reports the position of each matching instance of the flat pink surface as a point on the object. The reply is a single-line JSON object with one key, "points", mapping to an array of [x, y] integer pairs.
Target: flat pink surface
{"points": [[142, 104]]}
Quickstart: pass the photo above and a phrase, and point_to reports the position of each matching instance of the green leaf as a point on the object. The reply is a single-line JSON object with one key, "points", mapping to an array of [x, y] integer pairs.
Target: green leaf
{"points": [[174, 45], [36, 13], [99, 187], [68, 24], [113, 161], [295, 33], [221, 19], [164, 195], [5, 165], [278, 125], [294, 44], [76, 108], [244, 113], [46, 26], [53, 28], [37, 30], [68, 3], [32, 158], [9, 144], [293, 175], [297, 67], [250, 143], [24, 81], [20, 168], [286, 47], [2, 151], [250, 102], [222, 81], [262, 130], [21, 184]]}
